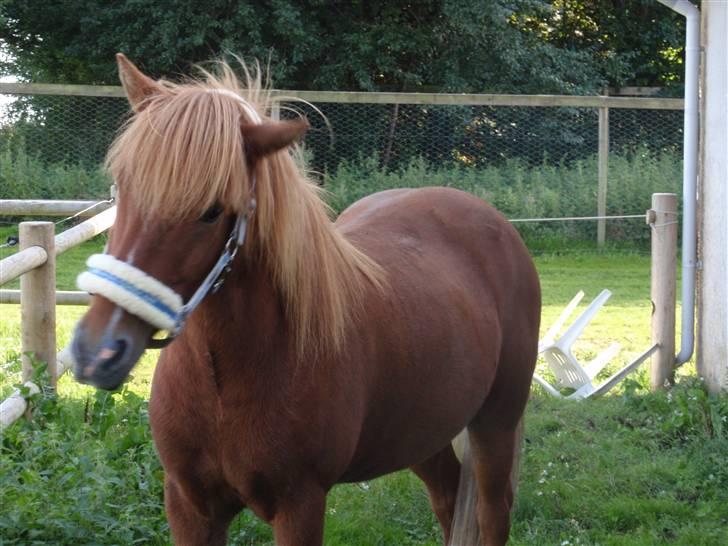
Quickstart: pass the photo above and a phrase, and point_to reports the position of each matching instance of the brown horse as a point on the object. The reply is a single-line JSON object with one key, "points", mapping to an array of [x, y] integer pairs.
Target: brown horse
{"points": [[333, 352]]}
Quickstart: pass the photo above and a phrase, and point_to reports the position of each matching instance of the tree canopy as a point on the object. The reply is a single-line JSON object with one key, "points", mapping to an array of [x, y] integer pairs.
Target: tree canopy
{"points": [[518, 46]]}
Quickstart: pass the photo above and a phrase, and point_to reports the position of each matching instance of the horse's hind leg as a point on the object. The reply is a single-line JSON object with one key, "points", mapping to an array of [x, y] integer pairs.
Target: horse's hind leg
{"points": [[441, 474], [495, 442], [493, 452]]}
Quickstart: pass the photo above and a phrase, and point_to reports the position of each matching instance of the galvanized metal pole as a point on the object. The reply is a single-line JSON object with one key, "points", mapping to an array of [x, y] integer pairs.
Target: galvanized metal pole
{"points": [[690, 169]]}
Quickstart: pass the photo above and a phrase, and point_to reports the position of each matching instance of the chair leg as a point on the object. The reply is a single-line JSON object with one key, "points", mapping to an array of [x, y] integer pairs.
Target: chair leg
{"points": [[552, 332], [547, 386], [602, 359], [621, 374], [577, 327]]}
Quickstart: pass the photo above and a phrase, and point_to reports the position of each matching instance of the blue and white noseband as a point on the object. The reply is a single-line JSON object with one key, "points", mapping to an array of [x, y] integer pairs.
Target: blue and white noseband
{"points": [[151, 300], [132, 289]]}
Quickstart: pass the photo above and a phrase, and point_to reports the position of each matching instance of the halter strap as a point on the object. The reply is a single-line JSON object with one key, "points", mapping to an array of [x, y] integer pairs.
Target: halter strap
{"points": [[216, 277], [151, 300]]}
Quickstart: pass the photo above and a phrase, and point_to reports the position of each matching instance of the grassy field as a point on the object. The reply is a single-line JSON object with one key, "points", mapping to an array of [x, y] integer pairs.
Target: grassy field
{"points": [[630, 468]]}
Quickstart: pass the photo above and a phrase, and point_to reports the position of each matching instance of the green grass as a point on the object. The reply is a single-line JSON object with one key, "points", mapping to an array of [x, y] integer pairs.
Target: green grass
{"points": [[631, 468], [635, 468]]}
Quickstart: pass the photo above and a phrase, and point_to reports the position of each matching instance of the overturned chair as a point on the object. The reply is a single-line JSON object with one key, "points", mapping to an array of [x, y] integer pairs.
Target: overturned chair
{"points": [[569, 372]]}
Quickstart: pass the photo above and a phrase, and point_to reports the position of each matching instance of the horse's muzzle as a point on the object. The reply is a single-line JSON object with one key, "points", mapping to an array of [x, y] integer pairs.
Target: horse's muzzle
{"points": [[104, 360]]}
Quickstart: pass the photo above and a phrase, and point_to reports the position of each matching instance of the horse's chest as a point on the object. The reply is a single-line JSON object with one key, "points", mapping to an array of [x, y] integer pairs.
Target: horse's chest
{"points": [[241, 451]]}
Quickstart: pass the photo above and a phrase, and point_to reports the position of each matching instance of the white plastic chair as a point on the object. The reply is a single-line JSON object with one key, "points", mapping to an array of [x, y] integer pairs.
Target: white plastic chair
{"points": [[552, 332], [569, 372]]}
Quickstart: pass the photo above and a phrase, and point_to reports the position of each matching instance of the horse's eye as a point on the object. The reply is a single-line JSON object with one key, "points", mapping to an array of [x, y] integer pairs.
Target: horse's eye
{"points": [[211, 214]]}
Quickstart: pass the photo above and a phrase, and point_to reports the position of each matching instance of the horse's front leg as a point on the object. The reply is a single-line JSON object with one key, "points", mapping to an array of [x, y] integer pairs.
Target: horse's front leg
{"points": [[299, 519], [196, 520]]}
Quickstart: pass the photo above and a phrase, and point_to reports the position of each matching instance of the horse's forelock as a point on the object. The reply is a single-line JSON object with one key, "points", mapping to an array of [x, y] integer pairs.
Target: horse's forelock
{"points": [[184, 151]]}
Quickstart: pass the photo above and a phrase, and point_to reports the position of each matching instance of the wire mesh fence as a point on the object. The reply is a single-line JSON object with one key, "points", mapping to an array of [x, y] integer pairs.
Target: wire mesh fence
{"points": [[71, 130], [529, 161], [472, 136]]}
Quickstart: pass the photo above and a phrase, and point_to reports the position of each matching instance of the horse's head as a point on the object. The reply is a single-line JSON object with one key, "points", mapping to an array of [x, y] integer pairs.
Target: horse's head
{"points": [[185, 168]]}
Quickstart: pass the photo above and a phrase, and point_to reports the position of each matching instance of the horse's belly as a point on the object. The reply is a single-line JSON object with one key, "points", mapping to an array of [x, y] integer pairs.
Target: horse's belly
{"points": [[418, 409]]}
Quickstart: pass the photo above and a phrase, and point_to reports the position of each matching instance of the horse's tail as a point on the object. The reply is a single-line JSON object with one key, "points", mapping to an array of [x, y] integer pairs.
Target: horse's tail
{"points": [[464, 530]]}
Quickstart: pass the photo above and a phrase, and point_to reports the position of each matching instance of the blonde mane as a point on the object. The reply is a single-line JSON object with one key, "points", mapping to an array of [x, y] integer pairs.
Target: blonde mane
{"points": [[183, 152]]}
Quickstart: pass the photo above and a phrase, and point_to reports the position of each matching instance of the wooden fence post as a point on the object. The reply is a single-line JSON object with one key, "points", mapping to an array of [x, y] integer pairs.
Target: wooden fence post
{"points": [[275, 111], [602, 174], [38, 300], [662, 218]]}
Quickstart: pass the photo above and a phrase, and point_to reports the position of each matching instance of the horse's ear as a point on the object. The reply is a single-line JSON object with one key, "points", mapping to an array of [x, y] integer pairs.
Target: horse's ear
{"points": [[138, 87], [262, 139]]}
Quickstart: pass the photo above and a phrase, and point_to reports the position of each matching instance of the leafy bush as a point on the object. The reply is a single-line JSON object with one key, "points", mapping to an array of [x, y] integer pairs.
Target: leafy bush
{"points": [[518, 189], [82, 469], [521, 191], [676, 416], [23, 176]]}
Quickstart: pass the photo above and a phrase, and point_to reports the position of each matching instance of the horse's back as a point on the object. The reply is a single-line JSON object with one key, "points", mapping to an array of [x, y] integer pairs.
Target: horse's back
{"points": [[432, 213], [441, 230]]}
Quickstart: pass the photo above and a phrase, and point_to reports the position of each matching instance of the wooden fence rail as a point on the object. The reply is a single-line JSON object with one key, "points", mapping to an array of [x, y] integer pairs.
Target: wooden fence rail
{"points": [[51, 207], [36, 263], [30, 258], [15, 405], [63, 297], [355, 97]]}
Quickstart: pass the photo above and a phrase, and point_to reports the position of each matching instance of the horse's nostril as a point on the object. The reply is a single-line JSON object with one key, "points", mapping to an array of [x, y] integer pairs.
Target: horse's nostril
{"points": [[110, 355]]}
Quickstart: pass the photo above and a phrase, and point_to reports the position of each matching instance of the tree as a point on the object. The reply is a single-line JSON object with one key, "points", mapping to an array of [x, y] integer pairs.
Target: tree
{"points": [[632, 42], [361, 45]]}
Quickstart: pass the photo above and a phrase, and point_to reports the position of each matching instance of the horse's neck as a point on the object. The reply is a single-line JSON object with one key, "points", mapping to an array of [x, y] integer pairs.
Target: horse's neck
{"points": [[244, 324]]}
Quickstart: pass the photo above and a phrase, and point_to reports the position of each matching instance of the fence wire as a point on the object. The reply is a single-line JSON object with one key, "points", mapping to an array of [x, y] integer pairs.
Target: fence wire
{"points": [[530, 162]]}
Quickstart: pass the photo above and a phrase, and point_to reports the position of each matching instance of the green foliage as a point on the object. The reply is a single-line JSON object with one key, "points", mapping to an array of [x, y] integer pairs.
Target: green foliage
{"points": [[517, 188], [522, 191], [526, 46], [631, 42], [24, 176], [89, 475], [62, 129], [504, 46], [43, 403], [686, 413]]}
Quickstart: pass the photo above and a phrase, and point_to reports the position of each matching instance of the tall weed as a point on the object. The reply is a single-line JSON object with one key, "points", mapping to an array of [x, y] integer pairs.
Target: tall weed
{"points": [[518, 189], [23, 176], [521, 191]]}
